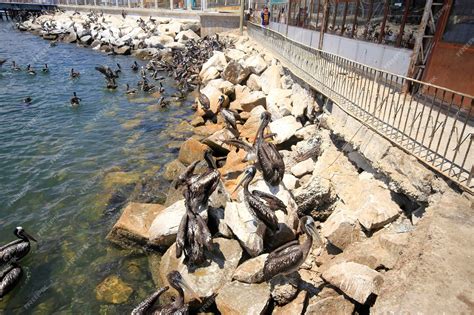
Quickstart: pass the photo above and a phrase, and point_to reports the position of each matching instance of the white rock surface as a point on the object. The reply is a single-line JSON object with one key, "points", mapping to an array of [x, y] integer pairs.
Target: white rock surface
{"points": [[285, 128]]}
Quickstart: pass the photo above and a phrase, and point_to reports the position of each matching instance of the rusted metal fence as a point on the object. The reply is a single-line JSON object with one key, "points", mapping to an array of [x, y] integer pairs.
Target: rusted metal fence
{"points": [[430, 122]]}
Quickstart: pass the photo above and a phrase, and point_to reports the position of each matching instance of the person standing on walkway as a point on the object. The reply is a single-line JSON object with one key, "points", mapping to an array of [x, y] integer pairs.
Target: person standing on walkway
{"points": [[265, 17]]}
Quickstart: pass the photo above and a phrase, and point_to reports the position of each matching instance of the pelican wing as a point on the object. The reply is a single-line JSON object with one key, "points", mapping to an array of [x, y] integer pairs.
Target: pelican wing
{"points": [[181, 235], [9, 279], [239, 144], [283, 261], [271, 162], [146, 305], [262, 212], [273, 202], [14, 251]]}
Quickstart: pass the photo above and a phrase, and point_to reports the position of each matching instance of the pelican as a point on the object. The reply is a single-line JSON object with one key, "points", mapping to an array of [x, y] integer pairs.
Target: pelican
{"points": [[16, 250], [15, 67], [290, 256], [261, 205], [230, 117], [203, 99], [130, 91], [135, 66], [45, 68], [107, 72], [30, 70], [111, 84], [162, 89], [119, 69], [193, 235], [268, 157], [2, 61], [9, 278], [200, 186], [177, 307], [163, 103], [74, 74], [75, 101], [147, 87], [27, 100]]}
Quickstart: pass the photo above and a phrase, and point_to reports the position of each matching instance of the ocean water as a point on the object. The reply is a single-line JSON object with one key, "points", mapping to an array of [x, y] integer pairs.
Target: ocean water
{"points": [[58, 166]]}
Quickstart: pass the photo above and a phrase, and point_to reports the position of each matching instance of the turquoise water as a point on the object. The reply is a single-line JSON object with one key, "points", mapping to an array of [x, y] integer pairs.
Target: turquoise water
{"points": [[57, 169]]}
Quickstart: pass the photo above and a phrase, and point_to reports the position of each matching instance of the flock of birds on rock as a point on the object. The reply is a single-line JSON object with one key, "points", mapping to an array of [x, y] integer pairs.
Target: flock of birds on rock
{"points": [[194, 238]]}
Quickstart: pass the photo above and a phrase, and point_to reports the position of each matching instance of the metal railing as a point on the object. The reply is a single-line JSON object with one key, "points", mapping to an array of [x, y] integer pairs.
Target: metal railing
{"points": [[432, 123]]}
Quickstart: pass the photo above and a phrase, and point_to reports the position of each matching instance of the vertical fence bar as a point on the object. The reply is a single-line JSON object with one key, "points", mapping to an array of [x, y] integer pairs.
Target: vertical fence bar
{"points": [[448, 110], [458, 144]]}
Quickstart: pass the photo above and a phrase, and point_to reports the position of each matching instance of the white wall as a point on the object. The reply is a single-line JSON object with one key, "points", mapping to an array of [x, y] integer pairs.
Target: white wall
{"points": [[392, 59]]}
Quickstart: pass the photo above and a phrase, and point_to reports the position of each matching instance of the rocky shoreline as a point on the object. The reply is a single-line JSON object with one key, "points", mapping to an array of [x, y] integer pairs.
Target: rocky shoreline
{"points": [[363, 224]]}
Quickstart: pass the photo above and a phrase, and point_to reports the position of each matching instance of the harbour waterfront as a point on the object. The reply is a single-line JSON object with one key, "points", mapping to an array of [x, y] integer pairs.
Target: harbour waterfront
{"points": [[59, 167]]}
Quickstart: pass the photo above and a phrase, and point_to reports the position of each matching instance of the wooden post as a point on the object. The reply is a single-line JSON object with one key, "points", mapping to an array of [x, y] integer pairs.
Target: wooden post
{"points": [[346, 5], [334, 18], [402, 25], [355, 18], [384, 21], [369, 17], [317, 15], [324, 24], [418, 42]]}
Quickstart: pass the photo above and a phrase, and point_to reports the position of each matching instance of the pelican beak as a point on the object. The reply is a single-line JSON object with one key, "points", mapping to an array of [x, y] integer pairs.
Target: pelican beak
{"points": [[190, 290], [244, 177], [29, 236]]}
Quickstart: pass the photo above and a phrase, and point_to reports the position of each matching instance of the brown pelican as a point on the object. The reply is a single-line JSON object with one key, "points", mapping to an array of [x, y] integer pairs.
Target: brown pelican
{"points": [[134, 66], [16, 250], [27, 100], [30, 70], [9, 278], [74, 74], [45, 68], [15, 67], [203, 99], [130, 91], [290, 256], [2, 61], [261, 205], [230, 117], [111, 84], [268, 157], [107, 72], [75, 101], [177, 307], [193, 234]]}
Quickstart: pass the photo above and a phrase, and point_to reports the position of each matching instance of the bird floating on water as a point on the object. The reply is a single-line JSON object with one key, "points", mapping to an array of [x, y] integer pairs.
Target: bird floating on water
{"points": [[16, 250], [130, 91], [27, 100], [135, 66], [9, 278], [261, 205], [176, 281], [45, 68], [290, 256], [30, 70], [74, 74], [15, 67], [2, 61], [75, 101]]}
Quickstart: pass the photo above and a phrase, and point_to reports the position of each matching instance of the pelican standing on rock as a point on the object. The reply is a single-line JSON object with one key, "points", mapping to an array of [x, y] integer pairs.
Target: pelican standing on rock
{"points": [[16, 250], [9, 278], [261, 205], [203, 99], [230, 117], [177, 307], [290, 256], [270, 160]]}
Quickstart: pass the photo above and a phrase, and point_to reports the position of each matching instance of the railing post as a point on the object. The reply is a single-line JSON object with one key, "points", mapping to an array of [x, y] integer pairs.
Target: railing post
{"points": [[324, 24]]}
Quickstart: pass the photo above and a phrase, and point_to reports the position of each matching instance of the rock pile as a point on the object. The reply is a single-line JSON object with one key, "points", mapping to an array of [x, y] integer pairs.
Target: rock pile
{"points": [[359, 221], [115, 34]]}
